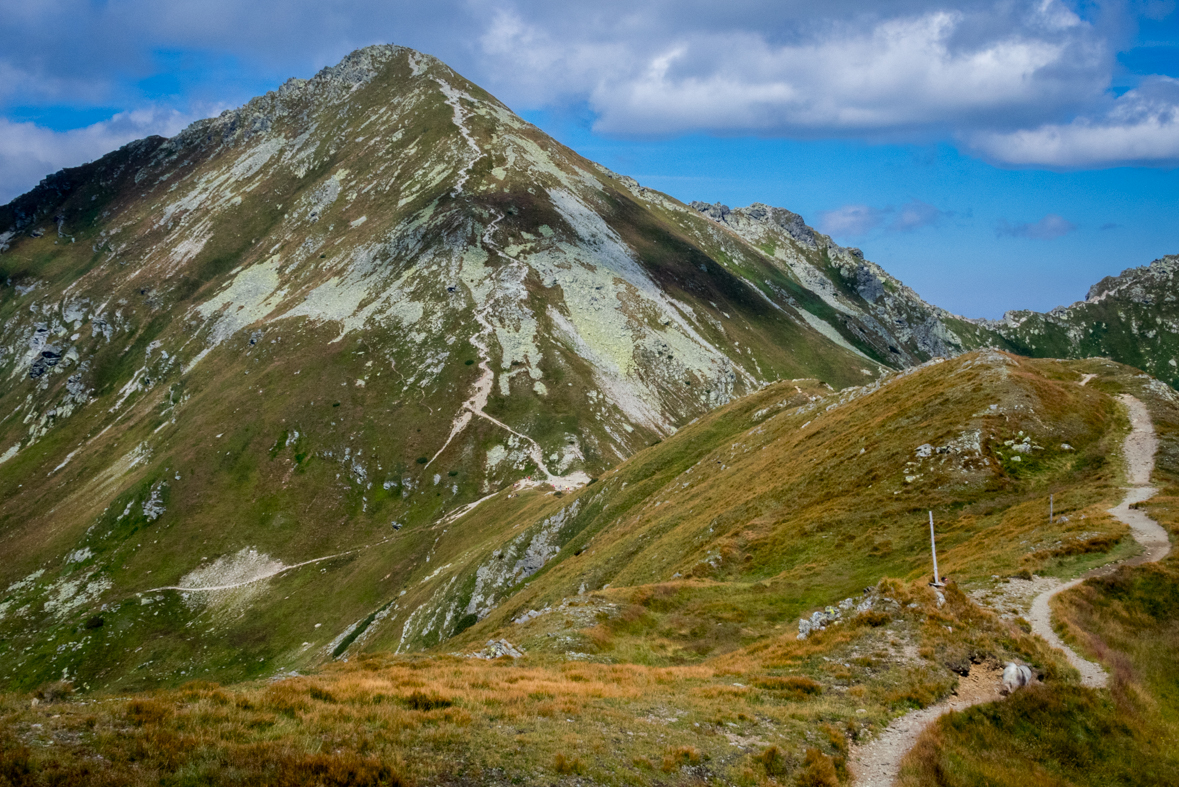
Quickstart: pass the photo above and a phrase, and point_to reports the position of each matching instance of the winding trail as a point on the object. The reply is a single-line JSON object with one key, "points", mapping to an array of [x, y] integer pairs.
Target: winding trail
{"points": [[474, 405], [878, 763]]}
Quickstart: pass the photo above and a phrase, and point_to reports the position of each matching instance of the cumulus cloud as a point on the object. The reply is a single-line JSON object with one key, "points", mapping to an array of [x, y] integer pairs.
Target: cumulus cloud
{"points": [[856, 220], [900, 74], [1142, 126], [1050, 227], [28, 151]]}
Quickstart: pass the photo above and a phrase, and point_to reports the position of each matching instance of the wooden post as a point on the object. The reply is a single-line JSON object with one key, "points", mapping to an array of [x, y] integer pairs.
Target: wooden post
{"points": [[937, 578], [1050, 507]]}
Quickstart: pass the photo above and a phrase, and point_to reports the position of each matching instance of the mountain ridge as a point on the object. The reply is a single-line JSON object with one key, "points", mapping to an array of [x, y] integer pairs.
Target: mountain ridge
{"points": [[339, 325]]}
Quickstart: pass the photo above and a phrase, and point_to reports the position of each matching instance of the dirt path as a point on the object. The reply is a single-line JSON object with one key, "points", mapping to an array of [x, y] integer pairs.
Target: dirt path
{"points": [[878, 763], [272, 569]]}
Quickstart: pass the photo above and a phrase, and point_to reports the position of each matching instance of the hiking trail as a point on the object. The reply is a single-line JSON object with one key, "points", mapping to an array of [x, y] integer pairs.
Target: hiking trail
{"points": [[878, 763]]}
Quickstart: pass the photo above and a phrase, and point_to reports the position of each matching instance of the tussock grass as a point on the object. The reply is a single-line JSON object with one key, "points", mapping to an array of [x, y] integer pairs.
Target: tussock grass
{"points": [[784, 710]]}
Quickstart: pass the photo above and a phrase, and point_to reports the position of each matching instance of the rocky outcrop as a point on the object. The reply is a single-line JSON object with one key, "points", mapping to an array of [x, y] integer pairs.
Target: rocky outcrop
{"points": [[830, 616], [874, 308], [757, 214]]}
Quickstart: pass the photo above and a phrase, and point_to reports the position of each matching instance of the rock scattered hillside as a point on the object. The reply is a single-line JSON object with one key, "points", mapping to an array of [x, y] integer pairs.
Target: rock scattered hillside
{"points": [[327, 324], [337, 370], [855, 293]]}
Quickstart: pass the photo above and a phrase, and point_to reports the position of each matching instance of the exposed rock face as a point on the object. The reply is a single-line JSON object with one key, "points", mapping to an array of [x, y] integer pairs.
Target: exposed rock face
{"points": [[830, 616], [1015, 677], [1142, 285], [757, 214], [871, 306], [498, 648]]}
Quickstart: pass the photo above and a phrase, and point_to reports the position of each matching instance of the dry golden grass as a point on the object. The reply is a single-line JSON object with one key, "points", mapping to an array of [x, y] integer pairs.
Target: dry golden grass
{"points": [[676, 679], [783, 710]]}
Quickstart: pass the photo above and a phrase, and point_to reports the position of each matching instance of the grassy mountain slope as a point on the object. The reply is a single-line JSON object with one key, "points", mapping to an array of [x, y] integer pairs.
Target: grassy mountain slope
{"points": [[782, 501], [1054, 734], [1130, 318], [680, 660], [322, 324]]}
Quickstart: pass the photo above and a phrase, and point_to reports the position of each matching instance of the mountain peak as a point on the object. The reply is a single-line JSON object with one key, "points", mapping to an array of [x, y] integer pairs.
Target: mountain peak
{"points": [[332, 324]]}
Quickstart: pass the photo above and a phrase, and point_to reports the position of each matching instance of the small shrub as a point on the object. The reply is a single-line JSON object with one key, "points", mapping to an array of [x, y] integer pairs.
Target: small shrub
{"points": [[330, 770], [678, 757], [147, 712], [794, 686], [774, 761], [15, 768], [918, 696], [872, 617], [465, 622], [94, 622], [818, 770], [55, 692], [323, 695], [567, 765], [287, 699], [262, 722]]}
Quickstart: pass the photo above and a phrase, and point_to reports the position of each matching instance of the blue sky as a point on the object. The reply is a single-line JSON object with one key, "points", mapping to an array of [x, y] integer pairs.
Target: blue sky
{"points": [[993, 154]]}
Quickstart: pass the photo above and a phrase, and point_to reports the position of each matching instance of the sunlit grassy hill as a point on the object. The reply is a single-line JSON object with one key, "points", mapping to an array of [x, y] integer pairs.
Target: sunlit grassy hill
{"points": [[789, 500], [660, 628]]}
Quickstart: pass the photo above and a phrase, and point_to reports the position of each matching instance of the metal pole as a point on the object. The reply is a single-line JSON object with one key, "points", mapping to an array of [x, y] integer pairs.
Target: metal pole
{"points": [[937, 577], [1050, 507]]}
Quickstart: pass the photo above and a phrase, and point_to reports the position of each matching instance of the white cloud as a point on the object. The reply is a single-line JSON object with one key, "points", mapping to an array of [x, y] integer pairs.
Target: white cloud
{"points": [[851, 220], [1050, 227], [856, 220], [900, 74], [1022, 81], [1141, 127], [28, 151]]}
